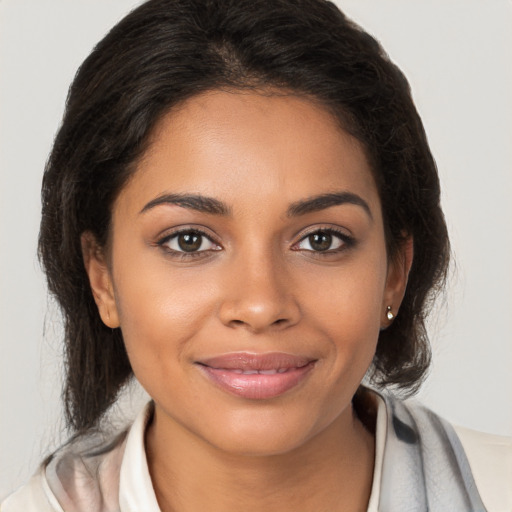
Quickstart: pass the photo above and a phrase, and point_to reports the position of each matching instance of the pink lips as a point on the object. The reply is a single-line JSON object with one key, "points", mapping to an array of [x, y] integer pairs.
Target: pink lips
{"points": [[257, 376]]}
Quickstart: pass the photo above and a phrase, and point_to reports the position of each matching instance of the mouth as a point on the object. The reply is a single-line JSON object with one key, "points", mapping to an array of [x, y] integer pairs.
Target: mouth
{"points": [[257, 376]]}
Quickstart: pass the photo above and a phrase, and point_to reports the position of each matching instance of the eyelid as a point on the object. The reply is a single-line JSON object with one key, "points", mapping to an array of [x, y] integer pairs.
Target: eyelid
{"points": [[347, 239], [175, 232]]}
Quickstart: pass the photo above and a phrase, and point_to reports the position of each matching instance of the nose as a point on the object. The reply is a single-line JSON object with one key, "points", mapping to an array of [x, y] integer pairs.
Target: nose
{"points": [[259, 296]]}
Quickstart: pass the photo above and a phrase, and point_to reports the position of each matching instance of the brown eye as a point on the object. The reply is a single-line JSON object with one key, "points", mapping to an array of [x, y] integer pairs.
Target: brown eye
{"points": [[320, 241], [324, 241], [189, 242]]}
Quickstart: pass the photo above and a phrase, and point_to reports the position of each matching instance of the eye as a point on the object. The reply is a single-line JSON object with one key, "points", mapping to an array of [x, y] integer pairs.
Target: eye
{"points": [[324, 240], [189, 241]]}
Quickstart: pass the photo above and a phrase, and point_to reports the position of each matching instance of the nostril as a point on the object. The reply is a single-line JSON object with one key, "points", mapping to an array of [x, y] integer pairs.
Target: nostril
{"points": [[260, 313], [277, 323]]}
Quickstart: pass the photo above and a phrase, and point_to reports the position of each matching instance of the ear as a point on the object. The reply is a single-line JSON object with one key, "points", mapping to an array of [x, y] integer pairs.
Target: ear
{"points": [[99, 279], [396, 281]]}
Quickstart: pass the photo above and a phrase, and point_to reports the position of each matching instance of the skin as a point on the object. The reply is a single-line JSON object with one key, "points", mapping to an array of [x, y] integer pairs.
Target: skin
{"points": [[258, 286]]}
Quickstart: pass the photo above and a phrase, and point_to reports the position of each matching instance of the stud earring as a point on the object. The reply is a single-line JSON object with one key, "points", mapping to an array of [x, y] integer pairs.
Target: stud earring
{"points": [[389, 313]]}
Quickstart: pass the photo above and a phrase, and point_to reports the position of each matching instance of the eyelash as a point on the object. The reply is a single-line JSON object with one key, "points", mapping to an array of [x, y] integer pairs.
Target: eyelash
{"points": [[184, 254], [347, 242]]}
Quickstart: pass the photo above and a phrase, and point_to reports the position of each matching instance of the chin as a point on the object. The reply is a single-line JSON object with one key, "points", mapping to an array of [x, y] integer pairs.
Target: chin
{"points": [[261, 444], [262, 433]]}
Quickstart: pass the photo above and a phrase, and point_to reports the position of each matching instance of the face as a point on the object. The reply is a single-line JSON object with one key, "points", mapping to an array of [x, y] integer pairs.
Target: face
{"points": [[248, 271]]}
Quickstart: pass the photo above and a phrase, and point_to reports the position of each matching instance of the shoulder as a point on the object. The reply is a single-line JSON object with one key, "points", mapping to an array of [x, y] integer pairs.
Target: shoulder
{"points": [[486, 457], [82, 475], [423, 462], [92, 473], [490, 459], [34, 496]]}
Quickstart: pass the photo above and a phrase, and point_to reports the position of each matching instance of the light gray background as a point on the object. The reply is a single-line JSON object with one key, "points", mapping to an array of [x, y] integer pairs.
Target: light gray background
{"points": [[457, 55]]}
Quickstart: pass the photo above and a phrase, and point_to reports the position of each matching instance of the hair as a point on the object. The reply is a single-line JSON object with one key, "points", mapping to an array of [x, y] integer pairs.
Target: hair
{"points": [[167, 51]]}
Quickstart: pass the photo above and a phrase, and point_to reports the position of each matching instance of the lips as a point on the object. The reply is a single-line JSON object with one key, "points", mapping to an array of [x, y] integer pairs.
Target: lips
{"points": [[256, 376]]}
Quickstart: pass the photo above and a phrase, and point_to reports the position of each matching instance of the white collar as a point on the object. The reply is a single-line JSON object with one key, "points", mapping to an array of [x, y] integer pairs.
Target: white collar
{"points": [[136, 491]]}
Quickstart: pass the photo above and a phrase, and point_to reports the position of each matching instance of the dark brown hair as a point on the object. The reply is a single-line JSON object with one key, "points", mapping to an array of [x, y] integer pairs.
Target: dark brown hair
{"points": [[166, 51]]}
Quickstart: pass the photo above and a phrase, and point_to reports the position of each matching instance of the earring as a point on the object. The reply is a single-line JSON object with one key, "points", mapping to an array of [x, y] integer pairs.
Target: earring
{"points": [[389, 313]]}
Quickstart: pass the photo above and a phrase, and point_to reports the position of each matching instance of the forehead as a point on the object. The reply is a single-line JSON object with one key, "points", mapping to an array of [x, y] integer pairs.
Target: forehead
{"points": [[239, 144]]}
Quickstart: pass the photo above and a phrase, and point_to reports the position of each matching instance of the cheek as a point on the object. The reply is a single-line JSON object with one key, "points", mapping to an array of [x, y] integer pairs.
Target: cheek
{"points": [[350, 296], [160, 310], [346, 307]]}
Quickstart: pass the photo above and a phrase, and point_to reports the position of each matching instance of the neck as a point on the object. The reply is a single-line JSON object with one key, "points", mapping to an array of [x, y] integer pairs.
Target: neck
{"points": [[332, 471]]}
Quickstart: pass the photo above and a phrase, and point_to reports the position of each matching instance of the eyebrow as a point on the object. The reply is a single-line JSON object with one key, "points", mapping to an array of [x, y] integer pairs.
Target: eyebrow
{"points": [[210, 205], [196, 202], [323, 201]]}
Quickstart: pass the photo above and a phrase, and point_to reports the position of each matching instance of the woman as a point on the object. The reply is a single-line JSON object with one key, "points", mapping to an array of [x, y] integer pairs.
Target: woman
{"points": [[241, 210]]}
